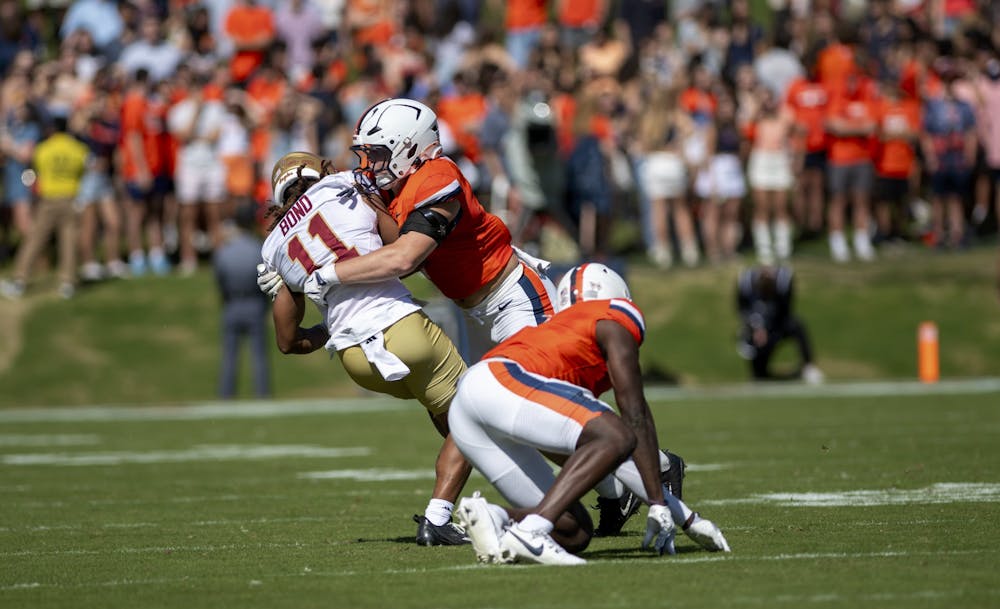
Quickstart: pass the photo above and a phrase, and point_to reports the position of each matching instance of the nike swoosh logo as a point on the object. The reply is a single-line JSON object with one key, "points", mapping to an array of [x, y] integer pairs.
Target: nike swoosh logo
{"points": [[535, 550], [504, 305]]}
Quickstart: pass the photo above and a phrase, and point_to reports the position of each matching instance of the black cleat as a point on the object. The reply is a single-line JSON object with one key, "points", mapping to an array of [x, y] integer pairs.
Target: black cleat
{"points": [[673, 477], [615, 512], [448, 534]]}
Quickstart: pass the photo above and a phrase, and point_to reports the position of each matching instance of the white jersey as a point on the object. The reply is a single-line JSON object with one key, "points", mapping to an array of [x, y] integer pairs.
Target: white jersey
{"points": [[331, 222]]}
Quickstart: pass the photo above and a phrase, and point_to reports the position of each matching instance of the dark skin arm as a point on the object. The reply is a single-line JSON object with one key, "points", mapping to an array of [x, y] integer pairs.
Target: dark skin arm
{"points": [[622, 354], [605, 442], [288, 311]]}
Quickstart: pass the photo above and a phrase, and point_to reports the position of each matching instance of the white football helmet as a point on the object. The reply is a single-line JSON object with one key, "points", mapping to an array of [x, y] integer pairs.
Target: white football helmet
{"points": [[590, 281], [393, 137]]}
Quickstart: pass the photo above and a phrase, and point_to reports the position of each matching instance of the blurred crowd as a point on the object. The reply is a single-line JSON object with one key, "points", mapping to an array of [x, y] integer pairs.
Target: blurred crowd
{"points": [[707, 126]]}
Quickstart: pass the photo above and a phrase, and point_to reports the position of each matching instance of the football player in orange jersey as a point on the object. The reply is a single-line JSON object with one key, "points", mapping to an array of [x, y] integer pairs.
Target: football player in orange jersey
{"points": [[443, 230], [534, 395]]}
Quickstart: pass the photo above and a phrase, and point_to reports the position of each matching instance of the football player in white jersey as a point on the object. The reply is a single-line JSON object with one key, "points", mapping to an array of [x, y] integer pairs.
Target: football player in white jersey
{"points": [[380, 334]]}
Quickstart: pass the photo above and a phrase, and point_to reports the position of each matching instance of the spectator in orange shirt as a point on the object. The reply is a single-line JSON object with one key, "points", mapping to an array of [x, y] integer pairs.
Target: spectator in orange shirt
{"points": [[898, 119], [836, 61], [698, 99], [851, 123], [579, 20], [463, 111], [142, 169], [524, 21], [251, 28], [807, 99]]}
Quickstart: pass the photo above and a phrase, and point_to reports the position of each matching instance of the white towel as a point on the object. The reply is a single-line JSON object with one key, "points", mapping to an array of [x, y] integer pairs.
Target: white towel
{"points": [[389, 366], [540, 266]]}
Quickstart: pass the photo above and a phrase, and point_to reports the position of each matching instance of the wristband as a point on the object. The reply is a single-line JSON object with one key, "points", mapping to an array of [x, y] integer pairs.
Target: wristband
{"points": [[327, 276]]}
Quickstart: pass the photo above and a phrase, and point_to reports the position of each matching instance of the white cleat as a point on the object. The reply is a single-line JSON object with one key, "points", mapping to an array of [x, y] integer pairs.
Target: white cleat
{"points": [[707, 535], [483, 529], [536, 547]]}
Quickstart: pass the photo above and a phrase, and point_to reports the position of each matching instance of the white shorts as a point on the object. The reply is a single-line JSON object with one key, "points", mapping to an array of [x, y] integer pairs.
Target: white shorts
{"points": [[525, 298], [722, 179], [663, 176], [770, 170], [503, 416], [199, 182]]}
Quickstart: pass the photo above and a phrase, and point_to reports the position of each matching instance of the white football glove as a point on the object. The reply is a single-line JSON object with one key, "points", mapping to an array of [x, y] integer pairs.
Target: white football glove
{"points": [[707, 535], [319, 283], [660, 530], [269, 282]]}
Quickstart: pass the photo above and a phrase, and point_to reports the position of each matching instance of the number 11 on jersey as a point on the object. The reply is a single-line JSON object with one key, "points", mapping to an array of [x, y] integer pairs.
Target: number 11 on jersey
{"points": [[319, 228]]}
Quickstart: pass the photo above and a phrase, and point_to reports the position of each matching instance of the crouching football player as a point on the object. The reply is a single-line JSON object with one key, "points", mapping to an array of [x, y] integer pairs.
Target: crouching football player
{"points": [[534, 395]]}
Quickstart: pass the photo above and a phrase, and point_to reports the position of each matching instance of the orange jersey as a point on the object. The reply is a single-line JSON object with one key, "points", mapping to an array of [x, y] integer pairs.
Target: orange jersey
{"points": [[856, 109], [137, 118], [464, 114], [581, 13], [834, 64], [894, 157], [565, 347], [808, 100], [526, 14], [698, 103], [476, 250], [247, 25]]}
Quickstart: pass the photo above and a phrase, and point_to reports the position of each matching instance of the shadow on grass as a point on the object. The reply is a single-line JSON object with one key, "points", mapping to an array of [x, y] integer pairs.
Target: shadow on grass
{"points": [[636, 553]]}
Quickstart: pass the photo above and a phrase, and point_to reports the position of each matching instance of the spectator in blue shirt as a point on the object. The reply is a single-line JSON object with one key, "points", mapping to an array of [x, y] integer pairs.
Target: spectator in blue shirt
{"points": [[98, 17], [949, 147]]}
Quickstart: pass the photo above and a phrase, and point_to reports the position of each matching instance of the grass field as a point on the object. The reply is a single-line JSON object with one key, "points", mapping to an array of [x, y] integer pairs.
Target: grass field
{"points": [[156, 340], [843, 496]]}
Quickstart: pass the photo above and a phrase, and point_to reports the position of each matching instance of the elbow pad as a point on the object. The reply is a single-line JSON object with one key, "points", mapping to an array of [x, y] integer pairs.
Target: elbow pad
{"points": [[429, 222]]}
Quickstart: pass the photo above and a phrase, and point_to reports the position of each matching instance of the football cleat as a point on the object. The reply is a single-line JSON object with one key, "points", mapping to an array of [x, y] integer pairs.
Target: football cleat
{"points": [[535, 547], [673, 477], [613, 513], [705, 534], [483, 529], [447, 534]]}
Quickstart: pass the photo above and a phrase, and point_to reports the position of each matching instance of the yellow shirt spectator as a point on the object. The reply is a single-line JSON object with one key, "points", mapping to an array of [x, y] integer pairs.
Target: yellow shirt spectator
{"points": [[60, 161]]}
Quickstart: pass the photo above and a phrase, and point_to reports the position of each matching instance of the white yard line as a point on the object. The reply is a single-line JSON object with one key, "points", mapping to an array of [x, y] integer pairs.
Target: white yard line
{"points": [[948, 492], [196, 453], [204, 411], [275, 409], [370, 475], [833, 390], [674, 562], [44, 440]]}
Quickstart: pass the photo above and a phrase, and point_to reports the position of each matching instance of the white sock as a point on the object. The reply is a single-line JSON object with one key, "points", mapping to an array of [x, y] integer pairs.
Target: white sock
{"points": [[610, 488], [838, 247], [679, 511], [438, 511], [762, 242], [629, 474], [534, 522], [500, 515], [782, 239]]}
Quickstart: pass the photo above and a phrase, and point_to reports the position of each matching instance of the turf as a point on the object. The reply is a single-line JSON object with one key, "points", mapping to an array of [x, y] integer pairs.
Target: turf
{"points": [[184, 507], [156, 340]]}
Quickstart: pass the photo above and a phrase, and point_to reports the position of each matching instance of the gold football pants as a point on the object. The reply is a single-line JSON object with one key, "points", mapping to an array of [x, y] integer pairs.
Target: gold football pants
{"points": [[434, 363]]}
